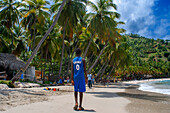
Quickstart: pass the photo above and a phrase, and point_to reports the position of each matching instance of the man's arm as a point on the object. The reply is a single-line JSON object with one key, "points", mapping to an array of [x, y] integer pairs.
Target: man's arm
{"points": [[84, 62], [72, 73]]}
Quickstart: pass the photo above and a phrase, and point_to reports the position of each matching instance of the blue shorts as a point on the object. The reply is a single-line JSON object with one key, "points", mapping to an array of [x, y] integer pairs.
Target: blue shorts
{"points": [[79, 85]]}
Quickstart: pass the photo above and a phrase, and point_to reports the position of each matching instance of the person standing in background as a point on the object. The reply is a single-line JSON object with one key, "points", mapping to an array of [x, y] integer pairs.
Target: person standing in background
{"points": [[89, 80], [93, 80]]}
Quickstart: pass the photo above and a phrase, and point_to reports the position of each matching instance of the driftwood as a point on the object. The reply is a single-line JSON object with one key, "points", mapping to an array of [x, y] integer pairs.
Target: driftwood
{"points": [[10, 62]]}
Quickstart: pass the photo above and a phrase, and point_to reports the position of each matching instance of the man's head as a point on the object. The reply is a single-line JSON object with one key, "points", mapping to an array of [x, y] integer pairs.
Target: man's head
{"points": [[78, 52]]}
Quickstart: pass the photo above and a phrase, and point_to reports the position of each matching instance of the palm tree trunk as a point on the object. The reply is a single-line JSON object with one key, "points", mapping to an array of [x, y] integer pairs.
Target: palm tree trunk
{"points": [[39, 44], [34, 33], [64, 33], [90, 60], [41, 70], [12, 40], [30, 47], [65, 62], [100, 70], [52, 68], [104, 68], [101, 52], [85, 53], [110, 72], [69, 60]]}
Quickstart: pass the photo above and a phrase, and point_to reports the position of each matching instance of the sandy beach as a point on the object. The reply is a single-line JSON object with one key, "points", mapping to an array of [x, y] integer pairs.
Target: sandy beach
{"points": [[115, 98], [99, 99]]}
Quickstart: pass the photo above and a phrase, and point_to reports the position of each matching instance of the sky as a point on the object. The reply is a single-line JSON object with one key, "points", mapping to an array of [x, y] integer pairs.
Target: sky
{"points": [[148, 18]]}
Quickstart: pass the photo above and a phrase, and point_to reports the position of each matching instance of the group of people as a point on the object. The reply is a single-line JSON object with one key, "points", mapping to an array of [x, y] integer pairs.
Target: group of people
{"points": [[3, 76], [62, 80], [90, 80]]}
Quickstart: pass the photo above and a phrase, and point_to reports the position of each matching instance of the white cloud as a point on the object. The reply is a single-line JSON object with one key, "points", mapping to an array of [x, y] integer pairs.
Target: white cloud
{"points": [[162, 28], [167, 37], [137, 14]]}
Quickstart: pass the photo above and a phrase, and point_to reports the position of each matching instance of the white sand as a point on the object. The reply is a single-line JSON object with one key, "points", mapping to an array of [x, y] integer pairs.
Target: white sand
{"points": [[99, 100]]}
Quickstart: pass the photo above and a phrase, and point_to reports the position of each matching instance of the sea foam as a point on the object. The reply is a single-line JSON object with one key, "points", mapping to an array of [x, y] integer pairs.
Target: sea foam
{"points": [[162, 87]]}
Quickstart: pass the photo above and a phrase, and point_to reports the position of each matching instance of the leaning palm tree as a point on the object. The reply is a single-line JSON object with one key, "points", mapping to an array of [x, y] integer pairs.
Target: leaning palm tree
{"points": [[9, 15], [105, 21], [39, 44], [100, 20]]}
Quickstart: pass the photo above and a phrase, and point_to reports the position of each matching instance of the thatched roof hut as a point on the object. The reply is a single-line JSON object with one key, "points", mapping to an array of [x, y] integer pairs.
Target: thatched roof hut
{"points": [[10, 62]]}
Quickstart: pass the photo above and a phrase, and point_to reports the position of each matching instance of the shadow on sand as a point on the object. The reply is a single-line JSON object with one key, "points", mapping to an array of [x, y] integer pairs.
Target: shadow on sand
{"points": [[103, 94], [87, 110]]}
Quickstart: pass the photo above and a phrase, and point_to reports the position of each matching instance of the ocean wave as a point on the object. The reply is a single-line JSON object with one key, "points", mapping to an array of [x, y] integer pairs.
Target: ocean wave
{"points": [[157, 87]]}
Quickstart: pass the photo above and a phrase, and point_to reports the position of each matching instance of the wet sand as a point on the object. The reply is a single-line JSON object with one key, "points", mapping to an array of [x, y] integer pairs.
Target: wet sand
{"points": [[145, 102]]}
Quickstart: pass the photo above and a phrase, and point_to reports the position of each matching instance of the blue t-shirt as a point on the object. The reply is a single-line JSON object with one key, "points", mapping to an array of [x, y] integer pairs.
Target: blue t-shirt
{"points": [[78, 68]]}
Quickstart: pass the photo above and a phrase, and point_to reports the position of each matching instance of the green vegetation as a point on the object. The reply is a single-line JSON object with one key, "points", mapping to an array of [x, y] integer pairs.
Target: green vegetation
{"points": [[107, 53], [8, 83], [150, 57]]}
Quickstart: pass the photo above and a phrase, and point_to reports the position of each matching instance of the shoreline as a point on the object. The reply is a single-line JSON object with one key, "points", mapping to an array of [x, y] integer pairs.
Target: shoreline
{"points": [[144, 101], [143, 81]]}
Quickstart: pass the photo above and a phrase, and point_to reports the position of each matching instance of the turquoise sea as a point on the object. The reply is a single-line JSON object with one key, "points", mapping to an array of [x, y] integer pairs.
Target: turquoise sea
{"points": [[156, 86]]}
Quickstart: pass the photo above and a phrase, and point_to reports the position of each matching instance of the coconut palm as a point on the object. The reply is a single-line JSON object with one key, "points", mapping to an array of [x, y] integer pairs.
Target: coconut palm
{"points": [[112, 41], [9, 15], [39, 44], [35, 12], [19, 40], [72, 13], [100, 20]]}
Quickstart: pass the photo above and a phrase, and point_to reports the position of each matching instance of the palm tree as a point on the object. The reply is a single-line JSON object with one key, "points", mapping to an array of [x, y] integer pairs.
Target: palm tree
{"points": [[35, 12], [19, 40], [100, 19], [4, 39], [51, 46], [73, 11], [39, 44], [9, 15]]}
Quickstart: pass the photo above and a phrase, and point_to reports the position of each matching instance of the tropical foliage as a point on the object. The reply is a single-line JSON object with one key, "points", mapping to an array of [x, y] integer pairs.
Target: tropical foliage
{"points": [[24, 23]]}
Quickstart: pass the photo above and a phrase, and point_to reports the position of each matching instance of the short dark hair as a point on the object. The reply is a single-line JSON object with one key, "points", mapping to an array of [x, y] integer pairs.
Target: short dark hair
{"points": [[78, 51]]}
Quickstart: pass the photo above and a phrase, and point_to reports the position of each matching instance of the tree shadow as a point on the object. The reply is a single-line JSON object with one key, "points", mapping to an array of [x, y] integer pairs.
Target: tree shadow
{"points": [[103, 94]]}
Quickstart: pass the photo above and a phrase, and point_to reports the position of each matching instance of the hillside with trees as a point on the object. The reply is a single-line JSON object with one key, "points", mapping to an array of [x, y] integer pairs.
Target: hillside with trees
{"points": [[149, 56]]}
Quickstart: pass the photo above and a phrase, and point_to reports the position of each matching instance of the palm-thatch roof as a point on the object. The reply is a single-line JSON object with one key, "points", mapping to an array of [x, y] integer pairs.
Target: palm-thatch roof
{"points": [[10, 62]]}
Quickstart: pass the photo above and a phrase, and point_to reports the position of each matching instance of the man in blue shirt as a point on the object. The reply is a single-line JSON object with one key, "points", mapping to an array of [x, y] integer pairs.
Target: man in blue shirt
{"points": [[79, 77]]}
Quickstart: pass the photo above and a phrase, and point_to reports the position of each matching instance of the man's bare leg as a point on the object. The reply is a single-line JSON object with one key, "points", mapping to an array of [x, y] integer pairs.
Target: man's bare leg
{"points": [[81, 99], [76, 103], [75, 94]]}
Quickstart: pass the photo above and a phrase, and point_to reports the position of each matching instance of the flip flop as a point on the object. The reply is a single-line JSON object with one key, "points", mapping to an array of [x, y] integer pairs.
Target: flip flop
{"points": [[75, 107], [81, 108]]}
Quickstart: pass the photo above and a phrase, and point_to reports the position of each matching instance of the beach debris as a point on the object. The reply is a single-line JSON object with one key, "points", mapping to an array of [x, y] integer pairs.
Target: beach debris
{"points": [[25, 85], [3, 86], [53, 89]]}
